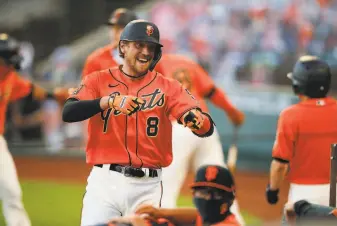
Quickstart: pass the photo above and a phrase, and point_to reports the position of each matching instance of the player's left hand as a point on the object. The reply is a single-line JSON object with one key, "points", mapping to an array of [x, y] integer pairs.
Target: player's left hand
{"points": [[61, 95], [237, 117], [272, 195], [193, 119]]}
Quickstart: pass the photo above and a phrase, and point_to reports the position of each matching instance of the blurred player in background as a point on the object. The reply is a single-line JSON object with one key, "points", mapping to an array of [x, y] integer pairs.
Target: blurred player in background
{"points": [[12, 88], [304, 134], [188, 148], [108, 56]]}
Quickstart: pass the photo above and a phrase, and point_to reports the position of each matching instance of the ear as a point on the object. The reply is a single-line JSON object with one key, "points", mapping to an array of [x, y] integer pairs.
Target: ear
{"points": [[121, 48]]}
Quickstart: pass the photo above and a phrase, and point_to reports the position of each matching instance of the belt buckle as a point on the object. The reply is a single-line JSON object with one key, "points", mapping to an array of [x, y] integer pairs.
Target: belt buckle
{"points": [[126, 170], [139, 172]]}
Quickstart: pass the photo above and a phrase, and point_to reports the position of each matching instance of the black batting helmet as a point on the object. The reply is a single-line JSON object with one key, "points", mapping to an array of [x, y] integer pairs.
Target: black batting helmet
{"points": [[142, 30], [311, 77], [9, 50]]}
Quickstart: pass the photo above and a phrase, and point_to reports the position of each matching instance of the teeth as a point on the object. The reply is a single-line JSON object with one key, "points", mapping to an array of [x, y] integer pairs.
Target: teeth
{"points": [[142, 60]]}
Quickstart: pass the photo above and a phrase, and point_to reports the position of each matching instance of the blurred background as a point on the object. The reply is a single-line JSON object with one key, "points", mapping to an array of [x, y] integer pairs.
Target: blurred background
{"points": [[247, 47]]}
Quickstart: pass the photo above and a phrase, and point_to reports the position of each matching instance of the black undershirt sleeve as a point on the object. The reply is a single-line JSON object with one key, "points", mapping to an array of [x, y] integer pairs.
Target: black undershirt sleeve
{"points": [[78, 110]]}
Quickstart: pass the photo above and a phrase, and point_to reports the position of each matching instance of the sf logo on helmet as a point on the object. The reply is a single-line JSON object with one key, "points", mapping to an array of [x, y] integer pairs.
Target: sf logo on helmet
{"points": [[149, 30], [211, 173]]}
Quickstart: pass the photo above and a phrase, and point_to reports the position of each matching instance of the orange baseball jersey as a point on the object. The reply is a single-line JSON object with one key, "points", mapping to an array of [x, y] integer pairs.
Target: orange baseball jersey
{"points": [[12, 87], [304, 134], [100, 59], [229, 221], [190, 74], [143, 139]]}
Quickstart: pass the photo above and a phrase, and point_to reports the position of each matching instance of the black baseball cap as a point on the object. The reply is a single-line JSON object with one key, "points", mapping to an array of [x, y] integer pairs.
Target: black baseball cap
{"points": [[121, 17], [215, 177]]}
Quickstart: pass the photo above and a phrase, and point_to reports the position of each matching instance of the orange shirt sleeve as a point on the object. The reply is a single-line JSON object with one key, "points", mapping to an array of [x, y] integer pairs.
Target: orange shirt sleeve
{"points": [[180, 100], [88, 89], [285, 137], [203, 82], [21, 88], [90, 66]]}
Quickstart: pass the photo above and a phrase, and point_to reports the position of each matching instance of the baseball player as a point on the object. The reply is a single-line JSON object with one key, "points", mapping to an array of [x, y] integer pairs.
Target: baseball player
{"points": [[187, 147], [108, 56], [213, 195], [129, 132], [12, 88], [193, 77], [304, 134]]}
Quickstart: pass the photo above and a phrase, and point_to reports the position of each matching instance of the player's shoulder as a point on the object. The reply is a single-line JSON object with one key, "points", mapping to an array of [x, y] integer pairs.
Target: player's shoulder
{"points": [[100, 52], [290, 112], [98, 75], [182, 59], [165, 80]]}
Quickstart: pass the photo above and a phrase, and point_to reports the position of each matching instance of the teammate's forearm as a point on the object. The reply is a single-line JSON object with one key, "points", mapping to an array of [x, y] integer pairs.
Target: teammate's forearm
{"points": [[40, 94], [79, 110], [180, 216], [278, 171], [219, 99]]}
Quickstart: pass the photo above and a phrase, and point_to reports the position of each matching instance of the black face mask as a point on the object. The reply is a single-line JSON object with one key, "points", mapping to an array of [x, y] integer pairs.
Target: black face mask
{"points": [[209, 210]]}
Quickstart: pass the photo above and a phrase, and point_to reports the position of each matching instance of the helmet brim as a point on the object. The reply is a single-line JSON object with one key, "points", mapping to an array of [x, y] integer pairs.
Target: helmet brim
{"points": [[150, 40], [212, 185]]}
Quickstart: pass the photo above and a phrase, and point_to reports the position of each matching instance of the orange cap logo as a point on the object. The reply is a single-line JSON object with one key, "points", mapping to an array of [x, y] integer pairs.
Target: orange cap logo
{"points": [[149, 30], [211, 173]]}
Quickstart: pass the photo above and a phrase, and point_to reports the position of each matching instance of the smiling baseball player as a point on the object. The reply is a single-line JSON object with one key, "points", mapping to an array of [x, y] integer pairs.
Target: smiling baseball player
{"points": [[130, 132]]}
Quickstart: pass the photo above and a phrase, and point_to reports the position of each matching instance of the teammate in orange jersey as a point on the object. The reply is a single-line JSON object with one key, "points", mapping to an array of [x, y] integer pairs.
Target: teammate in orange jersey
{"points": [[186, 147], [108, 56], [130, 133], [304, 134], [213, 195], [12, 88]]}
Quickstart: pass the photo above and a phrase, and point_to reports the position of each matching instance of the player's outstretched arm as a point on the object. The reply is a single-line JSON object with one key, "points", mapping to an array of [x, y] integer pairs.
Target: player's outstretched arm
{"points": [[178, 216], [25, 88], [219, 99], [199, 122], [59, 94]]}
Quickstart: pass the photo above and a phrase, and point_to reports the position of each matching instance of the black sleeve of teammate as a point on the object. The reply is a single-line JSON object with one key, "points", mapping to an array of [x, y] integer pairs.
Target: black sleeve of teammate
{"points": [[307, 212], [78, 110]]}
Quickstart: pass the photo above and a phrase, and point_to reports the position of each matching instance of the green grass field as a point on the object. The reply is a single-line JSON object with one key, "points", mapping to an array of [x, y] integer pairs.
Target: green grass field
{"points": [[54, 204]]}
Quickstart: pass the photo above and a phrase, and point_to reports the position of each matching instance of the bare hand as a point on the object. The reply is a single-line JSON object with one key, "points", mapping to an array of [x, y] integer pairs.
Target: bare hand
{"points": [[61, 95], [237, 117], [149, 212]]}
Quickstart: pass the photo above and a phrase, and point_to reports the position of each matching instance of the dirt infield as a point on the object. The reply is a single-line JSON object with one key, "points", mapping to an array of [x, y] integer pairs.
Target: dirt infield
{"points": [[250, 185]]}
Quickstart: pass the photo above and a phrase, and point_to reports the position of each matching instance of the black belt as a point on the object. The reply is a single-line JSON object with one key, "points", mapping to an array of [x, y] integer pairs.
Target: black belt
{"points": [[129, 171]]}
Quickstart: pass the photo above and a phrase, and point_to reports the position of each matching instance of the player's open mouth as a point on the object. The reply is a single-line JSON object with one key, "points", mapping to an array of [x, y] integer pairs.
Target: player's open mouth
{"points": [[143, 60]]}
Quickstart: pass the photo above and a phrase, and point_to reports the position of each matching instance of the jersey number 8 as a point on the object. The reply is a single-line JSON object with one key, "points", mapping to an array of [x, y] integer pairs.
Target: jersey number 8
{"points": [[151, 124]]}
